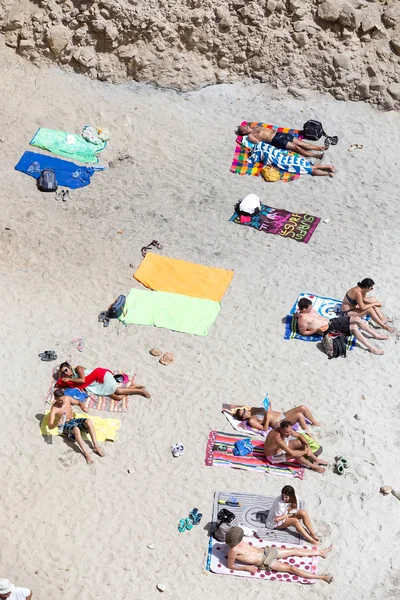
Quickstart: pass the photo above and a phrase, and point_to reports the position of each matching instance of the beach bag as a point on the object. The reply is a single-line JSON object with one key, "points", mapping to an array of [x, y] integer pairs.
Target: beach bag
{"points": [[313, 130], [225, 516], [225, 519], [116, 309], [47, 181], [243, 447], [269, 173], [334, 345]]}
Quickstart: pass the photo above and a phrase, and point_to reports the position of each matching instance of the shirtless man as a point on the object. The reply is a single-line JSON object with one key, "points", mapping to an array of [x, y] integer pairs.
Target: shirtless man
{"points": [[310, 322], [72, 426], [283, 444], [261, 419], [267, 559], [282, 141]]}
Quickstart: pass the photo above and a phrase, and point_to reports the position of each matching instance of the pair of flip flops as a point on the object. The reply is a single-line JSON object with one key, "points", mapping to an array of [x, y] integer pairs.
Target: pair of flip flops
{"points": [[62, 195], [193, 519], [153, 244], [341, 464], [331, 140], [102, 318], [48, 355]]}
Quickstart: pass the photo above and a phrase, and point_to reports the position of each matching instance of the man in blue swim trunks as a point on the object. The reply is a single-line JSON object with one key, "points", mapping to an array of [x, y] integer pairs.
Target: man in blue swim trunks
{"points": [[62, 409], [282, 141]]}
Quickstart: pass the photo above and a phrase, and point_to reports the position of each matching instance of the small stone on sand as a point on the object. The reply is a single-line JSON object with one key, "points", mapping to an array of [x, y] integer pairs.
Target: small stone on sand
{"points": [[385, 490], [161, 587], [155, 352]]}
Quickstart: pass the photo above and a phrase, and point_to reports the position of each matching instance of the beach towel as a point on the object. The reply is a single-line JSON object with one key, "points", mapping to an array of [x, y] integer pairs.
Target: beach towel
{"points": [[243, 426], [241, 155], [177, 276], [217, 457], [68, 174], [170, 311], [266, 154], [106, 429], [297, 226], [67, 144], [252, 513], [97, 402], [326, 307]]}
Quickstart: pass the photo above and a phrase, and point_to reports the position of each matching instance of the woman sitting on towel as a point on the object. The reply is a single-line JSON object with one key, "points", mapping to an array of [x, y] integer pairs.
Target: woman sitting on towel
{"points": [[259, 418], [357, 304], [284, 513], [97, 381]]}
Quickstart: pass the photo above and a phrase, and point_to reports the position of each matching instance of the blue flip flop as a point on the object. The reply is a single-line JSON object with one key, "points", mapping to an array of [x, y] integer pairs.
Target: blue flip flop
{"points": [[188, 524], [195, 516], [182, 525]]}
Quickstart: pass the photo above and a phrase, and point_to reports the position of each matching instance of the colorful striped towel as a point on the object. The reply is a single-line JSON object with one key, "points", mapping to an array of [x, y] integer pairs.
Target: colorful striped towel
{"points": [[98, 402], [254, 462], [106, 429], [241, 155], [326, 307]]}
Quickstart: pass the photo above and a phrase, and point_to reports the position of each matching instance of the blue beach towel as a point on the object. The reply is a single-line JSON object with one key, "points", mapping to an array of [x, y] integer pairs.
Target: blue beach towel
{"points": [[269, 155], [68, 174], [326, 307]]}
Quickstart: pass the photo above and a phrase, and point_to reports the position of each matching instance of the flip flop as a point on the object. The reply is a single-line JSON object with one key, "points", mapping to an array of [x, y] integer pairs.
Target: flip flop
{"points": [[182, 525], [154, 243], [355, 147], [344, 462], [189, 524], [331, 140], [220, 448], [49, 356], [195, 516], [339, 468]]}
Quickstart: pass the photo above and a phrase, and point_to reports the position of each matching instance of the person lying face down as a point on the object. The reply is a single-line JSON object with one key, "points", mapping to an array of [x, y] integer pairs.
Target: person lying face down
{"points": [[282, 141], [267, 559], [310, 322], [356, 303], [261, 419], [97, 381], [283, 445]]}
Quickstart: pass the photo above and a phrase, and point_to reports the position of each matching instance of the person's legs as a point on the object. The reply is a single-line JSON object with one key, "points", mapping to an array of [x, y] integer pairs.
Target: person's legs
{"points": [[132, 390], [314, 466], [294, 522], [307, 146], [302, 149], [282, 568], [304, 516], [283, 553], [365, 327], [90, 429], [322, 170], [78, 438], [375, 315], [359, 336], [303, 410]]}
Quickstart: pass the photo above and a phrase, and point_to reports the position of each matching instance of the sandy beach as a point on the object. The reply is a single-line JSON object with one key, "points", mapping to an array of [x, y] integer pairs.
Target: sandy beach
{"points": [[73, 531]]}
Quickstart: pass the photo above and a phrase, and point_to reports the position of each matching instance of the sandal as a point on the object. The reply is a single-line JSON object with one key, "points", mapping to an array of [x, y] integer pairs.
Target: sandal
{"points": [[178, 450], [189, 524], [182, 525], [355, 147], [195, 516], [342, 460], [48, 355], [339, 468], [154, 243], [102, 318], [331, 140]]}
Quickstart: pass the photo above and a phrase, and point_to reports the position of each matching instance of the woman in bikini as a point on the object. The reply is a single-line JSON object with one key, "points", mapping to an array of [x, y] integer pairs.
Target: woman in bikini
{"points": [[357, 304], [261, 419]]}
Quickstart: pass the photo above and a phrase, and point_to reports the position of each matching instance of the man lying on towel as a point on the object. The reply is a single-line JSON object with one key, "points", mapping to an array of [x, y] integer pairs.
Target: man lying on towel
{"points": [[267, 559], [282, 141], [61, 415], [310, 322], [283, 444]]}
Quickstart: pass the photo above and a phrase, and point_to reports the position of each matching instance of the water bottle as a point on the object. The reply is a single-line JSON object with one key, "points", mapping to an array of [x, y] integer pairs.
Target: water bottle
{"points": [[266, 402], [62, 423]]}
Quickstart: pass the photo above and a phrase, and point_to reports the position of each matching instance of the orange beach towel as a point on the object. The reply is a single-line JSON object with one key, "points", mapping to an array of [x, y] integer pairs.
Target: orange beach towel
{"points": [[181, 277]]}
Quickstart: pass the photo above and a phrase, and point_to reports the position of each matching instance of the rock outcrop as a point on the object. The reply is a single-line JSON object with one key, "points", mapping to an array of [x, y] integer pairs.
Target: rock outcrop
{"points": [[350, 48]]}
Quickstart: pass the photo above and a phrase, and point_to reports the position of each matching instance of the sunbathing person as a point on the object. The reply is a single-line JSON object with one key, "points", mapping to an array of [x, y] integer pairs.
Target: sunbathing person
{"points": [[267, 559], [285, 513], [282, 141], [310, 322], [283, 444], [97, 381], [291, 163], [357, 304], [261, 419], [72, 427]]}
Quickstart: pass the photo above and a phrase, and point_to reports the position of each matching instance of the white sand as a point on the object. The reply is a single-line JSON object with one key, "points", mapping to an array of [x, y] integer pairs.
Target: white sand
{"points": [[73, 531]]}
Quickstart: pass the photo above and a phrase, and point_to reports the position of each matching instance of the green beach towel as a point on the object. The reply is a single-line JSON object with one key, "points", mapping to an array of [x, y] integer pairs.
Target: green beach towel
{"points": [[171, 311], [67, 144]]}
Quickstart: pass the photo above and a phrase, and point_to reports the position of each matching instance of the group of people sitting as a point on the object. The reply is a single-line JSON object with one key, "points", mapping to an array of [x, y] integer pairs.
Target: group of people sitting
{"points": [[284, 513], [356, 304]]}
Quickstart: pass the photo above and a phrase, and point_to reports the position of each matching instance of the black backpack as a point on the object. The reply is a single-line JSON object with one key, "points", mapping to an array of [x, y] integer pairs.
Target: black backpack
{"points": [[47, 181], [334, 345], [313, 130], [116, 309]]}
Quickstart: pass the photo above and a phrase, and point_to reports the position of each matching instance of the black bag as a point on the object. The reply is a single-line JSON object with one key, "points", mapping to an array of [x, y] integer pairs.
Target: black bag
{"points": [[225, 516], [47, 181], [313, 130], [116, 309], [225, 519], [334, 345]]}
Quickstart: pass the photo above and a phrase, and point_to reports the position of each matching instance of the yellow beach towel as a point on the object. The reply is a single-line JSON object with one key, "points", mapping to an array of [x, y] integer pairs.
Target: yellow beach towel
{"points": [[106, 429], [181, 277]]}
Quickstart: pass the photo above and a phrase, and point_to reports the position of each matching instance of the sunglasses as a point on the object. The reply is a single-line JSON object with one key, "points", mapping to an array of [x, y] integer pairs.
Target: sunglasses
{"points": [[243, 413], [65, 371]]}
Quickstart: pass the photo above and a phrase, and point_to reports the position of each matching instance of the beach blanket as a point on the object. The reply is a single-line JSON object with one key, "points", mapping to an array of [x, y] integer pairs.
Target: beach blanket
{"points": [[252, 512], [243, 426], [106, 429], [297, 226], [326, 307], [241, 155], [97, 402], [218, 457], [67, 144], [177, 276], [68, 174], [283, 160], [170, 311]]}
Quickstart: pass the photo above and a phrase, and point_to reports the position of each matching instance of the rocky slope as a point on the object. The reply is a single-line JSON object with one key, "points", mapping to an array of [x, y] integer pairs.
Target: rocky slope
{"points": [[350, 48]]}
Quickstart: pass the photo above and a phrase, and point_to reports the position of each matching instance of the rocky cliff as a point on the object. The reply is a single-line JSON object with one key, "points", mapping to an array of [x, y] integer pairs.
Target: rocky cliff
{"points": [[349, 48]]}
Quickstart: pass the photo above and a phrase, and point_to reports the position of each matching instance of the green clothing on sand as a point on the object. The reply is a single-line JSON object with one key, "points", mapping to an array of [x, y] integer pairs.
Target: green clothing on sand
{"points": [[67, 144], [171, 311]]}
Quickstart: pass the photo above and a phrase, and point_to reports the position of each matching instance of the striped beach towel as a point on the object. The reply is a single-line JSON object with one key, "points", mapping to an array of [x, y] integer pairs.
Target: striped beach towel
{"points": [[326, 307], [97, 402], [241, 155], [217, 457], [268, 155]]}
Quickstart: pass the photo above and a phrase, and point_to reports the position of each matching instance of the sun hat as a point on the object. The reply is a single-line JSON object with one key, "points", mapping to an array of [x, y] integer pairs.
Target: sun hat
{"points": [[5, 586]]}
